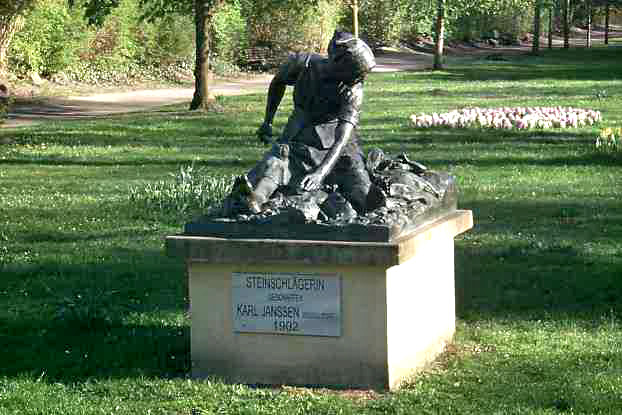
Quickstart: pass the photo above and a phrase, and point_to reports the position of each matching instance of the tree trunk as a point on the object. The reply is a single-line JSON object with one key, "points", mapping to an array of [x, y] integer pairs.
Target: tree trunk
{"points": [[201, 98], [535, 45], [550, 28], [566, 24], [588, 40], [440, 35], [607, 13], [355, 17]]}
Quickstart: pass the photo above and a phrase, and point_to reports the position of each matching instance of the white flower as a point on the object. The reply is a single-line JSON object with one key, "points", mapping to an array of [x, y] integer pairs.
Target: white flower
{"points": [[508, 118]]}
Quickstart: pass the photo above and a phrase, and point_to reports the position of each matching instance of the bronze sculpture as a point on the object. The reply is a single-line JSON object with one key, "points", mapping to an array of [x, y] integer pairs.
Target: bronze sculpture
{"points": [[315, 175], [319, 143]]}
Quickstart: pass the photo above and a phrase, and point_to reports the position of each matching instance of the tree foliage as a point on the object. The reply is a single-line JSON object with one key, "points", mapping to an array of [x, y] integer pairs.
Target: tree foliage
{"points": [[382, 20], [129, 34], [289, 25], [452, 11], [203, 11], [14, 7], [11, 21], [50, 42]]}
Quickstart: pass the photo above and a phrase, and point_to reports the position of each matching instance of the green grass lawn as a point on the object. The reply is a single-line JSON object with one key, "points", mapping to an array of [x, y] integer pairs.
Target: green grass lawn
{"points": [[93, 315]]}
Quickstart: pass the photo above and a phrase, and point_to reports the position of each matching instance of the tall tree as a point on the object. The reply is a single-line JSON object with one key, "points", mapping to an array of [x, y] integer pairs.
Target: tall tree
{"points": [[354, 5], [607, 14], [439, 34], [589, 16], [464, 8], [550, 31], [355, 17], [594, 7], [566, 23], [538, 7], [537, 12], [203, 12], [608, 6]]}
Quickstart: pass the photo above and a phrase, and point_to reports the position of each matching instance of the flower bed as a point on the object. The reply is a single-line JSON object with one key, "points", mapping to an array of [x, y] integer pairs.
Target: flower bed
{"points": [[509, 118]]}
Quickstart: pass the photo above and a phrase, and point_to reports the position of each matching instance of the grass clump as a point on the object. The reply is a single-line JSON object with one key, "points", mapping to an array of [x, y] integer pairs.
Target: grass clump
{"points": [[190, 191], [609, 140]]}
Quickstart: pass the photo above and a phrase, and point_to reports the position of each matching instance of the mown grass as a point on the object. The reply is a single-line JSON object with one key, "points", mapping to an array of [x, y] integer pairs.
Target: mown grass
{"points": [[93, 315]]}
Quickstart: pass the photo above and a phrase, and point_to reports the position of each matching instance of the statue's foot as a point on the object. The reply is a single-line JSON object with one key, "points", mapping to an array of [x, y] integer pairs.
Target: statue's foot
{"points": [[253, 205], [242, 198], [233, 206]]}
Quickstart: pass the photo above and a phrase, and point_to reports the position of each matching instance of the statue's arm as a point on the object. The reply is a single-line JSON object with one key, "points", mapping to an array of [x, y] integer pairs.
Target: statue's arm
{"points": [[286, 75], [275, 94]]}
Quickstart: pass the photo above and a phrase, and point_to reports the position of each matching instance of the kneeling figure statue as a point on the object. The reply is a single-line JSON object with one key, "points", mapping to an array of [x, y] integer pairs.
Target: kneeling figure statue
{"points": [[317, 166], [319, 144]]}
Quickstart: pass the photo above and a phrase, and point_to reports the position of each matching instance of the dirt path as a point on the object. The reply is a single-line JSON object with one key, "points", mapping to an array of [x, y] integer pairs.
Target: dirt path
{"points": [[28, 112]]}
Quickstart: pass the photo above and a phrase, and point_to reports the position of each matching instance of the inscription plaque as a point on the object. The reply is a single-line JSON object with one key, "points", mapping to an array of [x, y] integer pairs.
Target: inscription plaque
{"points": [[286, 303]]}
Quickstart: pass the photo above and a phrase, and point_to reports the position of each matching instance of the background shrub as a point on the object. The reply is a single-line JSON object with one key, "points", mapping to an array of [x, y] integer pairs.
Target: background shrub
{"points": [[4, 109], [229, 34], [293, 26], [417, 20], [57, 38], [166, 41], [50, 41], [504, 20], [381, 21], [114, 45]]}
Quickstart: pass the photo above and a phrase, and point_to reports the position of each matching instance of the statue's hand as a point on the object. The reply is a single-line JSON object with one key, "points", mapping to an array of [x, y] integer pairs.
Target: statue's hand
{"points": [[264, 133], [311, 182]]}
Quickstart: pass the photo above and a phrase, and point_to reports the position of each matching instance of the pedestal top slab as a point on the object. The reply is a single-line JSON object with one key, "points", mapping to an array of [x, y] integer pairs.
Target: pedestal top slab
{"points": [[292, 228], [216, 249]]}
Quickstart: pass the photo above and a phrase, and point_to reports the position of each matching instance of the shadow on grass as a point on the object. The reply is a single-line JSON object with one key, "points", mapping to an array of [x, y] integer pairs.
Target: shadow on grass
{"points": [[579, 380], [62, 353], [67, 161], [597, 64], [150, 130], [550, 257], [117, 319], [462, 97], [586, 159]]}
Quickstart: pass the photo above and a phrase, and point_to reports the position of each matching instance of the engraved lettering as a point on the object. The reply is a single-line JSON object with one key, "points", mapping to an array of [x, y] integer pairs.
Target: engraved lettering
{"points": [[246, 310]]}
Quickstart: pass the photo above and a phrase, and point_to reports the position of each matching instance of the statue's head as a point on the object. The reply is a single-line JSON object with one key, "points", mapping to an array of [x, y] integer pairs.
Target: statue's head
{"points": [[351, 59]]}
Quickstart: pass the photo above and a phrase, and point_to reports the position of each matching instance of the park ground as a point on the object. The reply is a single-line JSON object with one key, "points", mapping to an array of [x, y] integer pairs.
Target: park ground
{"points": [[94, 318]]}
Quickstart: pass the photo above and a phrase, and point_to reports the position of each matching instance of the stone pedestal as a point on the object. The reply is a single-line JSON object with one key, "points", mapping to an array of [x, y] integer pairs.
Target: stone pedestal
{"points": [[396, 307]]}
